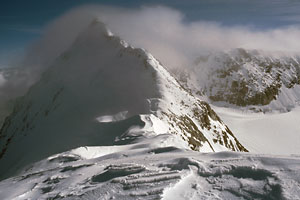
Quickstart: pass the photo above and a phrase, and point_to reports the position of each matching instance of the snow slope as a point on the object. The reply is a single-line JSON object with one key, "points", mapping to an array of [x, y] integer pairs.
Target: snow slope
{"points": [[8, 91], [271, 133], [257, 94], [148, 170], [104, 92]]}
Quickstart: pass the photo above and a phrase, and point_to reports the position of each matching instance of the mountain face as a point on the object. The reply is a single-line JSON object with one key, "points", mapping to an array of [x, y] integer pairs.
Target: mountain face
{"points": [[104, 92], [8, 91], [249, 78]]}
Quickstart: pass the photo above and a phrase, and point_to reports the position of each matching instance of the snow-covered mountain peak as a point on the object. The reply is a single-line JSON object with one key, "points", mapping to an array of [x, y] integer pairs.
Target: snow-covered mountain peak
{"points": [[103, 91], [249, 79], [108, 121]]}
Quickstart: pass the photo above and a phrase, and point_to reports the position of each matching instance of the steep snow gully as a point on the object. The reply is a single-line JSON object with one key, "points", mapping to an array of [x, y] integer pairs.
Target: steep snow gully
{"points": [[108, 121]]}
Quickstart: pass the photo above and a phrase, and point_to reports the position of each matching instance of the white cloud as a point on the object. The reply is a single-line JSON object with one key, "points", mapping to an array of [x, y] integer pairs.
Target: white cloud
{"points": [[163, 31]]}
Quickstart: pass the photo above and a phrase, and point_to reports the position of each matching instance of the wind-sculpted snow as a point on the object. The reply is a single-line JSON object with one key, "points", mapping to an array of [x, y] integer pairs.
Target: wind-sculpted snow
{"points": [[147, 171], [101, 92]]}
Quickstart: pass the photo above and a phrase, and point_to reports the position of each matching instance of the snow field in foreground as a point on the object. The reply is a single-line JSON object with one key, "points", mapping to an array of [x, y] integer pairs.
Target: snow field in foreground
{"points": [[147, 171]]}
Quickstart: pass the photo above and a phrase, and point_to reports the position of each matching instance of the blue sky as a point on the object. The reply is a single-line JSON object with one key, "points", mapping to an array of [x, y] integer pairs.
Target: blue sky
{"points": [[22, 21]]}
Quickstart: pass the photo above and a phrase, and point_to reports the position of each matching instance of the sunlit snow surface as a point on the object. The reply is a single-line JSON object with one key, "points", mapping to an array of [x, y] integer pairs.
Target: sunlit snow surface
{"points": [[149, 171], [270, 133], [113, 118]]}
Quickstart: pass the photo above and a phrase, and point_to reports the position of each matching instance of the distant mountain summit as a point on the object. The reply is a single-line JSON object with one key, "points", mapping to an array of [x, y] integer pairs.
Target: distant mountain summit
{"points": [[253, 79], [102, 91]]}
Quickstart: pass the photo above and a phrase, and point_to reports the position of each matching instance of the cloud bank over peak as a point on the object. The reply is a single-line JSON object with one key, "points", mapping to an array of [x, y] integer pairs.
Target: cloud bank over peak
{"points": [[166, 34], [162, 31]]}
